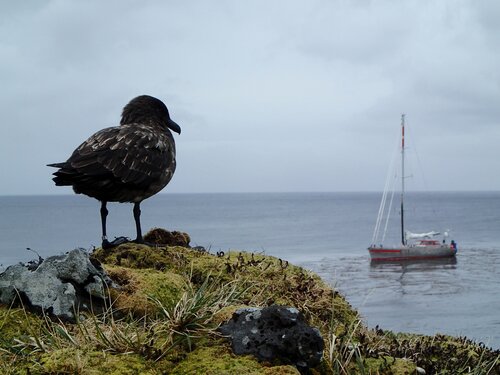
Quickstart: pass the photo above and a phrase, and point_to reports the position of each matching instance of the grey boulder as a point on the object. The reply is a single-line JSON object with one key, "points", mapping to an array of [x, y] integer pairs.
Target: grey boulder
{"points": [[57, 285]]}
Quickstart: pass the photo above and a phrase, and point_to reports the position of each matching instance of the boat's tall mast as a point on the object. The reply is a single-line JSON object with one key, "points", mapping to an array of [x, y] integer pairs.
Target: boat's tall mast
{"points": [[403, 241]]}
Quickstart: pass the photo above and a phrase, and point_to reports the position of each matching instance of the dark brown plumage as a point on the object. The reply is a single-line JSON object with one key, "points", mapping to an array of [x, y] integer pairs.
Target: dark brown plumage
{"points": [[126, 163]]}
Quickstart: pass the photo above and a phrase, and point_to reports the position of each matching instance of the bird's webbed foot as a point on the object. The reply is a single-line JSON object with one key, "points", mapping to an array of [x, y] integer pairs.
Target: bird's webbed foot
{"points": [[117, 241]]}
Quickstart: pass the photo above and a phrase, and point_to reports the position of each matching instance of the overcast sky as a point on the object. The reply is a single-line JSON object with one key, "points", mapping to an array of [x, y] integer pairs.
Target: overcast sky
{"points": [[270, 95]]}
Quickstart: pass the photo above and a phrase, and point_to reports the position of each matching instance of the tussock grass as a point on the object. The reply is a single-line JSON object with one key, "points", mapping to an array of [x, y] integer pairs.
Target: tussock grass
{"points": [[193, 315]]}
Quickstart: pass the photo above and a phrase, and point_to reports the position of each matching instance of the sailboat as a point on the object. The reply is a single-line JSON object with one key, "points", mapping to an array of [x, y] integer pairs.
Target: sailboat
{"points": [[413, 246]]}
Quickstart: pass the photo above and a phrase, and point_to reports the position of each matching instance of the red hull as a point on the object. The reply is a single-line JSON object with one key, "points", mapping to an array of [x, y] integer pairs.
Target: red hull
{"points": [[411, 253]]}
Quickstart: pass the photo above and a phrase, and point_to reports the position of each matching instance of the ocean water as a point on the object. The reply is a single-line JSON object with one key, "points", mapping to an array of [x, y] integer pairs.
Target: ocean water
{"points": [[325, 232]]}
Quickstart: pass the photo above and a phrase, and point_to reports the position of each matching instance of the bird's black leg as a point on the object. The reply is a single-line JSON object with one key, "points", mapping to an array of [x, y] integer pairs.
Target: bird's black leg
{"points": [[106, 244], [104, 214], [137, 217]]}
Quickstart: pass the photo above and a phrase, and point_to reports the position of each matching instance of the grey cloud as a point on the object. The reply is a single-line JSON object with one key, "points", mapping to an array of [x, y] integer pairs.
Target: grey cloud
{"points": [[273, 96]]}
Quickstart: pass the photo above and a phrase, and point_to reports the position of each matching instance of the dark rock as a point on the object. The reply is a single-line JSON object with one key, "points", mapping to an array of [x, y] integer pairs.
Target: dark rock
{"points": [[57, 286], [159, 236], [275, 333]]}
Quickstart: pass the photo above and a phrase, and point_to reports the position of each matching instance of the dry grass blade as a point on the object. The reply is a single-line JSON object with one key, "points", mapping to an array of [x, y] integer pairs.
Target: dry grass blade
{"points": [[192, 315]]}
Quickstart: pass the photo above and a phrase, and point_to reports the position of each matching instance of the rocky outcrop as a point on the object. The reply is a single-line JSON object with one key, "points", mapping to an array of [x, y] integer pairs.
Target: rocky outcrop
{"points": [[275, 333], [56, 285]]}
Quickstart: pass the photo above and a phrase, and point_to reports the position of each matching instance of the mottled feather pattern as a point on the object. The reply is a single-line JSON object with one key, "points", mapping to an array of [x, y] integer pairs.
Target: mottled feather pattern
{"points": [[116, 156]]}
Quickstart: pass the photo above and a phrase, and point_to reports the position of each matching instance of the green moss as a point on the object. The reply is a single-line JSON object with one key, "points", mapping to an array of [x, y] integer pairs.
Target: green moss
{"points": [[439, 354], [76, 361], [266, 280], [141, 256], [389, 365], [138, 285], [15, 323], [219, 361]]}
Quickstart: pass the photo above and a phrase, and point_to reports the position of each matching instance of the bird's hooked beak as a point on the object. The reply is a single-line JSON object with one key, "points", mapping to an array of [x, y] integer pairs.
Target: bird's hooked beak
{"points": [[173, 125]]}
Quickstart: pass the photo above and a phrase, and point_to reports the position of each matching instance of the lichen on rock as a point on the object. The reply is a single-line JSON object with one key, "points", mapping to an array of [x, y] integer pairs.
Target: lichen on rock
{"points": [[59, 285]]}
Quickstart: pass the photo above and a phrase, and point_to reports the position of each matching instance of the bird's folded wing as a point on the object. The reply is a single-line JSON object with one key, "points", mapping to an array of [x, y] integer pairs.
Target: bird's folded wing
{"points": [[132, 154]]}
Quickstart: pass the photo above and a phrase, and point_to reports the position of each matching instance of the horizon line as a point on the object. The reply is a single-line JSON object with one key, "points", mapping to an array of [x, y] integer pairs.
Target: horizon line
{"points": [[266, 192]]}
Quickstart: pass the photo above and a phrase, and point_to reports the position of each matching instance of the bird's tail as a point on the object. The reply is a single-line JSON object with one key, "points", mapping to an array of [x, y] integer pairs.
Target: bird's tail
{"points": [[56, 165], [64, 176]]}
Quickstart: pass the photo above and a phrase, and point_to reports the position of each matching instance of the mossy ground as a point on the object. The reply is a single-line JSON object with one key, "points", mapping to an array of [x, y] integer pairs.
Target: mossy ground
{"points": [[157, 279]]}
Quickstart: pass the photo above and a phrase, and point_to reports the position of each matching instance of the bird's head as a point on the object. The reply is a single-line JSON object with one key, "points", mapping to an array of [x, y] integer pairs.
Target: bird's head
{"points": [[147, 108]]}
